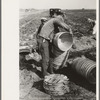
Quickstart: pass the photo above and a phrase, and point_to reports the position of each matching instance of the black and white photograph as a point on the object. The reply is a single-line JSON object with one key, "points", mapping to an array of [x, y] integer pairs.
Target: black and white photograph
{"points": [[58, 49]]}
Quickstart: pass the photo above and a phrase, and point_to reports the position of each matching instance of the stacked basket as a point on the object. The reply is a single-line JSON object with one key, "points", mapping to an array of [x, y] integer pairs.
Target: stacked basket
{"points": [[86, 68], [56, 84]]}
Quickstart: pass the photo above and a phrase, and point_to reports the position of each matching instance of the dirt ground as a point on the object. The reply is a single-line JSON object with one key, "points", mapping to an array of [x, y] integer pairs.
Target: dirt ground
{"points": [[31, 82]]}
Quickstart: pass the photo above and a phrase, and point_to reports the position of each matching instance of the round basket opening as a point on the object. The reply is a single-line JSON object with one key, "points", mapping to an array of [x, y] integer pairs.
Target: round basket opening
{"points": [[65, 41], [24, 51], [92, 76]]}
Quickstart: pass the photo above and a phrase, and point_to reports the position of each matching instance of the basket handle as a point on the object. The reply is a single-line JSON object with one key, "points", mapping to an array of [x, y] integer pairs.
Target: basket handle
{"points": [[65, 59]]}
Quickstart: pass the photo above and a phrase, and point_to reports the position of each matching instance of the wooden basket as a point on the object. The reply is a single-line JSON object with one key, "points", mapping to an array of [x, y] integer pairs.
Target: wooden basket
{"points": [[56, 84]]}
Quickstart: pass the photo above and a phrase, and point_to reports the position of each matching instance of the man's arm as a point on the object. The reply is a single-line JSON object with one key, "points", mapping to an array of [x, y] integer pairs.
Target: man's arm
{"points": [[63, 25], [39, 29]]}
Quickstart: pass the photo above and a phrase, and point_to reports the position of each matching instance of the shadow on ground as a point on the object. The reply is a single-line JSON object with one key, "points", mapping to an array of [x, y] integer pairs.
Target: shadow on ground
{"points": [[77, 79]]}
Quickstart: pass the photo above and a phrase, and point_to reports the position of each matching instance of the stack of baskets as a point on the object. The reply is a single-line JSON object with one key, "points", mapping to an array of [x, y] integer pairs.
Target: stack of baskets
{"points": [[56, 84], [86, 68]]}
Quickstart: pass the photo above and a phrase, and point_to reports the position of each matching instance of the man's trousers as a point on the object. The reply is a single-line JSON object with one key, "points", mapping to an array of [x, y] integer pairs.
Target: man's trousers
{"points": [[43, 46]]}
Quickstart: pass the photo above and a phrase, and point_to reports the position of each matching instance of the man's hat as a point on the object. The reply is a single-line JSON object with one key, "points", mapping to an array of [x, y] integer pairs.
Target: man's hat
{"points": [[43, 19]]}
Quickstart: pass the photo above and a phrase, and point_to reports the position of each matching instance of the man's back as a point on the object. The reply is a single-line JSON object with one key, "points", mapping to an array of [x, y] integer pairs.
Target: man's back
{"points": [[50, 27]]}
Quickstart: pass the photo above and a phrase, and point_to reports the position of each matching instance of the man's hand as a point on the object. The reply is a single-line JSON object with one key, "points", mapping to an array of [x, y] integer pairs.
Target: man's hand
{"points": [[51, 37], [70, 31], [50, 40]]}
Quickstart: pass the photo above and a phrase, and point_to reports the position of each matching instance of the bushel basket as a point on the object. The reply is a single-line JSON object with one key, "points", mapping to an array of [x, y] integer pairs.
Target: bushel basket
{"points": [[56, 84]]}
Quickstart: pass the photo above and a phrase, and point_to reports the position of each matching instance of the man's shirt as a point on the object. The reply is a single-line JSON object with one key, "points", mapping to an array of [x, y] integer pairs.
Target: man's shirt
{"points": [[51, 27]]}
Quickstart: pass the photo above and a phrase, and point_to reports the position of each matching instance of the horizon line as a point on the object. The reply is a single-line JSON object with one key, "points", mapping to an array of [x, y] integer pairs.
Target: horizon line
{"points": [[60, 8]]}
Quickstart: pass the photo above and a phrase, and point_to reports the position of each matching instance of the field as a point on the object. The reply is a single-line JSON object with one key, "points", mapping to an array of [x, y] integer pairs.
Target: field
{"points": [[84, 45]]}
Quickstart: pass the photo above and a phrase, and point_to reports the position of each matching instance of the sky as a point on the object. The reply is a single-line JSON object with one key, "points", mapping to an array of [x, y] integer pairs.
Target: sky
{"points": [[63, 4]]}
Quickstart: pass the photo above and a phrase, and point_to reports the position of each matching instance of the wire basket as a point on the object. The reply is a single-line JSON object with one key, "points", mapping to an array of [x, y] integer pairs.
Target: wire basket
{"points": [[56, 84]]}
